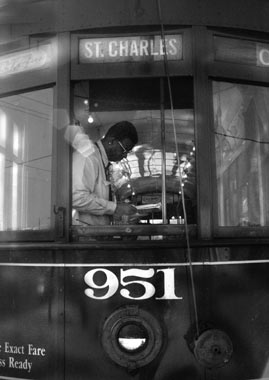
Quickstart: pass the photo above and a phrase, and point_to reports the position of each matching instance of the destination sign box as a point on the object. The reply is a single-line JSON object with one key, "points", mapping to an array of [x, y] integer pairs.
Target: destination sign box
{"points": [[26, 60], [262, 55], [130, 49], [241, 51]]}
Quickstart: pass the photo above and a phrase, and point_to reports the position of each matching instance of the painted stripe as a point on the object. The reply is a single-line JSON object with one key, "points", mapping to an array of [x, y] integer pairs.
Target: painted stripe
{"points": [[12, 378], [198, 263]]}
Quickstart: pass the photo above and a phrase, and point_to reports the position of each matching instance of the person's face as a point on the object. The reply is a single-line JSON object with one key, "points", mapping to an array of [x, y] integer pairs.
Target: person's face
{"points": [[119, 149]]}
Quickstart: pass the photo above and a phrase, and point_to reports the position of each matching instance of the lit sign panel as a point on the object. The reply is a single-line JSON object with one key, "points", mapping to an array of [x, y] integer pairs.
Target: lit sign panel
{"points": [[130, 49], [263, 55], [241, 51], [26, 60]]}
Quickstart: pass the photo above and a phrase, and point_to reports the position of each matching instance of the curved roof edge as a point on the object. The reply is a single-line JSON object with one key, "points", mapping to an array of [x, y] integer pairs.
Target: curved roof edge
{"points": [[52, 16]]}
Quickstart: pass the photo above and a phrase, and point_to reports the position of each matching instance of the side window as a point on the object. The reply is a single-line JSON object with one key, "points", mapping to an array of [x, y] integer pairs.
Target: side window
{"points": [[241, 114], [26, 125]]}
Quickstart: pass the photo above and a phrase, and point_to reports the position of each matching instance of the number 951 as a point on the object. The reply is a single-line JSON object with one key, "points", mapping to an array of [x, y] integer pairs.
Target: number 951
{"points": [[111, 283]]}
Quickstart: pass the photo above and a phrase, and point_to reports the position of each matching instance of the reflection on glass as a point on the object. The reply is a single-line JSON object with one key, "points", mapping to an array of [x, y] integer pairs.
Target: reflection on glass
{"points": [[25, 160], [241, 115], [3, 128]]}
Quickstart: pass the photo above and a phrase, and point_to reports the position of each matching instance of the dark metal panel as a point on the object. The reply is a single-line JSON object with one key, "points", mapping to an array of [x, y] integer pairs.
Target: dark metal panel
{"points": [[37, 13], [236, 14], [63, 15], [43, 305], [27, 81], [231, 295], [31, 321]]}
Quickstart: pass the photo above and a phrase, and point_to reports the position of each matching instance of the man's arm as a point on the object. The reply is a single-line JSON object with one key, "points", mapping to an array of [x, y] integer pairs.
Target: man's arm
{"points": [[79, 140]]}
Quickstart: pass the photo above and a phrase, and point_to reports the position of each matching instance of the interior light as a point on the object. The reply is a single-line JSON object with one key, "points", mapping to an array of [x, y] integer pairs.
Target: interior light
{"points": [[86, 102], [90, 119]]}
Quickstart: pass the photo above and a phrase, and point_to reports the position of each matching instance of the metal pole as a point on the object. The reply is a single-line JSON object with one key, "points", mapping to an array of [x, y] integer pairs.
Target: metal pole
{"points": [[164, 214]]}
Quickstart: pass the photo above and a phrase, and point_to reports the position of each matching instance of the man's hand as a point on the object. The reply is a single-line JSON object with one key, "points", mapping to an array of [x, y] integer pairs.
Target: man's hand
{"points": [[124, 209]]}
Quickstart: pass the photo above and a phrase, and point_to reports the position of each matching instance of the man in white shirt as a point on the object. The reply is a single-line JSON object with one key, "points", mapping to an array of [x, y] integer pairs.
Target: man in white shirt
{"points": [[91, 188]]}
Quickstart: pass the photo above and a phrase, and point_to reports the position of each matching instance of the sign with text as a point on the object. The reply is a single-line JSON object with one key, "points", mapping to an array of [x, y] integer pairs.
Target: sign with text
{"points": [[262, 55], [26, 60], [20, 356], [241, 51], [130, 49]]}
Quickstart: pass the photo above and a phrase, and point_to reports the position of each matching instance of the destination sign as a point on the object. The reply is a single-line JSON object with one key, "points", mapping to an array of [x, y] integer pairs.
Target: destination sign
{"points": [[26, 60], [130, 49], [245, 52], [262, 55]]}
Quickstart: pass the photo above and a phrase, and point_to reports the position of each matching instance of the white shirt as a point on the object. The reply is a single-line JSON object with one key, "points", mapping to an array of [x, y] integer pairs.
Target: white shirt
{"points": [[90, 188]]}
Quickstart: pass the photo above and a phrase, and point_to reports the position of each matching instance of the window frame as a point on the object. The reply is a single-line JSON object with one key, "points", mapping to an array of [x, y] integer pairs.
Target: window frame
{"points": [[134, 70]]}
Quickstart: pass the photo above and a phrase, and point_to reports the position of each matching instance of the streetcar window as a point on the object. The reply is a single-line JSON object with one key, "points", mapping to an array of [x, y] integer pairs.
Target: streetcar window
{"points": [[149, 177], [25, 160], [241, 115]]}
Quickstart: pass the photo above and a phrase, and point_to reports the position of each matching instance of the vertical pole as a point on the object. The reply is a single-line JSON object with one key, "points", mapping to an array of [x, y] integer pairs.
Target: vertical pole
{"points": [[164, 214], [203, 132], [62, 119]]}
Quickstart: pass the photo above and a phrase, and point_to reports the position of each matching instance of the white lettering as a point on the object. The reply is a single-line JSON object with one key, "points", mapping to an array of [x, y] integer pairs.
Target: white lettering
{"points": [[124, 48], [264, 57], [149, 289], [162, 50], [133, 48], [108, 281], [112, 49], [13, 349], [144, 46], [152, 52], [111, 283], [24, 61], [36, 351], [99, 52], [169, 284], [173, 49], [26, 365], [88, 48]]}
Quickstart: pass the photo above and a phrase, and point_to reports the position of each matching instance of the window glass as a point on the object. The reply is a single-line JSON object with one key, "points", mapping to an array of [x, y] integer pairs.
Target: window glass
{"points": [[149, 176], [26, 160], [241, 144]]}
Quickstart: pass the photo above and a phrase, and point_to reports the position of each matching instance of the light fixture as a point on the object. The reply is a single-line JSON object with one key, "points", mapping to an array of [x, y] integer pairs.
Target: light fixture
{"points": [[90, 119]]}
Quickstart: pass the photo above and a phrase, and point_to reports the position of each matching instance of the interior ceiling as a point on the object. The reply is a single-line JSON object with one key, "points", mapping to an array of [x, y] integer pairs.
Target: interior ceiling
{"points": [[138, 101]]}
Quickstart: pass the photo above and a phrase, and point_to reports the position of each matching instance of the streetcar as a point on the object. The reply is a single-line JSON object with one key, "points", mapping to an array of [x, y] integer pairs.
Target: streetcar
{"points": [[182, 292]]}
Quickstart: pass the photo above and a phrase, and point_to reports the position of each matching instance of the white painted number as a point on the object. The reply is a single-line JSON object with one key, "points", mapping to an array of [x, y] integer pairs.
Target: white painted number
{"points": [[111, 284], [142, 273], [169, 284]]}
